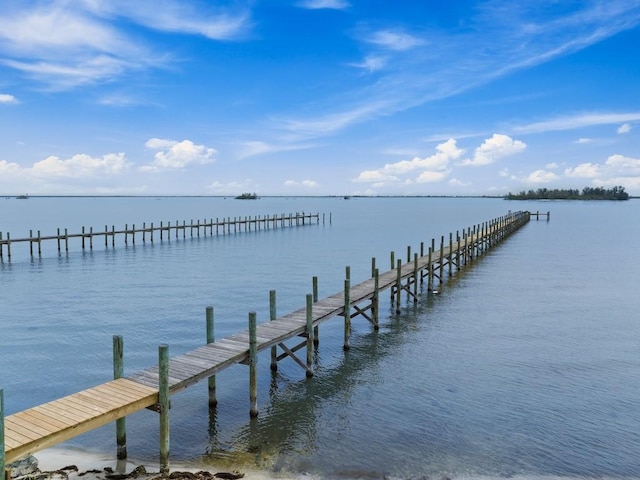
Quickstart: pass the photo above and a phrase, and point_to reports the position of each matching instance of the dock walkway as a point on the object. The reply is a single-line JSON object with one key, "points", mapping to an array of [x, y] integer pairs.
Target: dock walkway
{"points": [[46, 425]]}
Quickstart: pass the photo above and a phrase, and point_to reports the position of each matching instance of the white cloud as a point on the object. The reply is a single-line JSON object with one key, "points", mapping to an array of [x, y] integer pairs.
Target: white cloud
{"points": [[7, 168], [6, 98], [320, 4], [624, 128], [394, 40], [551, 166], [616, 170], [174, 155], [584, 170], [498, 146], [303, 183], [541, 176], [431, 169], [583, 140], [80, 166], [455, 182]]}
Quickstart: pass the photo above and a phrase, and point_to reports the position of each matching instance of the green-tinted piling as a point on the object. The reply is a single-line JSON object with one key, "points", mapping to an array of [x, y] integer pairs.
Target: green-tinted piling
{"points": [[398, 285], [253, 366], [316, 329], [347, 313], [211, 338], [163, 406], [118, 372], [309, 335], [272, 316]]}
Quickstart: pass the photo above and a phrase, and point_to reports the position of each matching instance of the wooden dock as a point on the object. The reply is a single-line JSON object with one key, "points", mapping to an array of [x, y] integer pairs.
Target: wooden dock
{"points": [[164, 231], [43, 426]]}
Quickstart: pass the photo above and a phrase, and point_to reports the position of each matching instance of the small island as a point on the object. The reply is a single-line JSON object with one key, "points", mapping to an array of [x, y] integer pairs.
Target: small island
{"points": [[247, 196], [587, 193]]}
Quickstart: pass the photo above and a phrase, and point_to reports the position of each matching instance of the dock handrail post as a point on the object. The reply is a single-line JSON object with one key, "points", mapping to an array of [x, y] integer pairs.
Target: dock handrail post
{"points": [[31, 242], [66, 241], [408, 253], [373, 266], [253, 366], [213, 401], [272, 317], [2, 463], [310, 340], [126, 232], [316, 329], [144, 231], [347, 313], [1, 243], [90, 238], [39, 244], [106, 236], [118, 372], [151, 232], [113, 236], [398, 285], [375, 299], [163, 403]]}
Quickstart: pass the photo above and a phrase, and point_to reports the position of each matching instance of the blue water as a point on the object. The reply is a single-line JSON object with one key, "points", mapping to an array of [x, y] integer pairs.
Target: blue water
{"points": [[526, 364]]}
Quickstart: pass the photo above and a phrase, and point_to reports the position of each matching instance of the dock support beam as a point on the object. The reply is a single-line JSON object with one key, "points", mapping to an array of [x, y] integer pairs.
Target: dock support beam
{"points": [[163, 403], [213, 401], [253, 366], [118, 372]]}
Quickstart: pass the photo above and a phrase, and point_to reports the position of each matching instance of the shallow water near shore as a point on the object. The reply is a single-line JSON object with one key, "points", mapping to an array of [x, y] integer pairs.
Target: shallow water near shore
{"points": [[525, 365]]}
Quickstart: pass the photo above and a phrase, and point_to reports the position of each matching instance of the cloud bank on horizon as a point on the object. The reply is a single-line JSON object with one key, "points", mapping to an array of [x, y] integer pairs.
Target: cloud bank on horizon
{"points": [[318, 97]]}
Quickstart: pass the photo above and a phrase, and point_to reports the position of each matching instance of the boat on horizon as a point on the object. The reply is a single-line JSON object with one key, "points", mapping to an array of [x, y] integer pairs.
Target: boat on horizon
{"points": [[22, 197]]}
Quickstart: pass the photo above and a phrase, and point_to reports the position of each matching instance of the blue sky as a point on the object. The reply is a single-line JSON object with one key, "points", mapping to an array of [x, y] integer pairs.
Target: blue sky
{"points": [[318, 97]]}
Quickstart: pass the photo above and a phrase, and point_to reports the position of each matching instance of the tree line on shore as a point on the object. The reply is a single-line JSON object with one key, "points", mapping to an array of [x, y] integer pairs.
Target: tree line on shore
{"points": [[587, 193]]}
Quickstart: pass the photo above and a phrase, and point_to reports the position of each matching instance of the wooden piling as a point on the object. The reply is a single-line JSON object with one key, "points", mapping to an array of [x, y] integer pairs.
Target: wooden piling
{"points": [[118, 372], [316, 329], [272, 316], [441, 266], [398, 285], [31, 242], [90, 238], [309, 332], [375, 300], [213, 401], [415, 278], [253, 366], [347, 313], [163, 407]]}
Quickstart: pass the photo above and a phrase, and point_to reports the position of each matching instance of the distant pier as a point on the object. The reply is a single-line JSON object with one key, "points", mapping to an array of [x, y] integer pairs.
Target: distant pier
{"points": [[46, 425], [164, 231]]}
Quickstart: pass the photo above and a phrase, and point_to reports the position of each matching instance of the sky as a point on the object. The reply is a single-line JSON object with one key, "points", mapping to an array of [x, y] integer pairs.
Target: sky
{"points": [[318, 97]]}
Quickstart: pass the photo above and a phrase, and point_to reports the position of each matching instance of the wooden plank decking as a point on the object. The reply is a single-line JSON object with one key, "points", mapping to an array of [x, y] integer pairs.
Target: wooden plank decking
{"points": [[51, 423]]}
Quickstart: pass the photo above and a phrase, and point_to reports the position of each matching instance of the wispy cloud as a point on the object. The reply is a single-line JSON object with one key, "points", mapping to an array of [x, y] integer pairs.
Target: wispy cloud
{"points": [[577, 121], [322, 4], [505, 37], [394, 40], [252, 148], [66, 44], [624, 128]]}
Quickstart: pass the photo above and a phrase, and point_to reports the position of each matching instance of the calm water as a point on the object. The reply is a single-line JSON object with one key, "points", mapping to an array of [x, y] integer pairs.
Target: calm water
{"points": [[527, 364]]}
